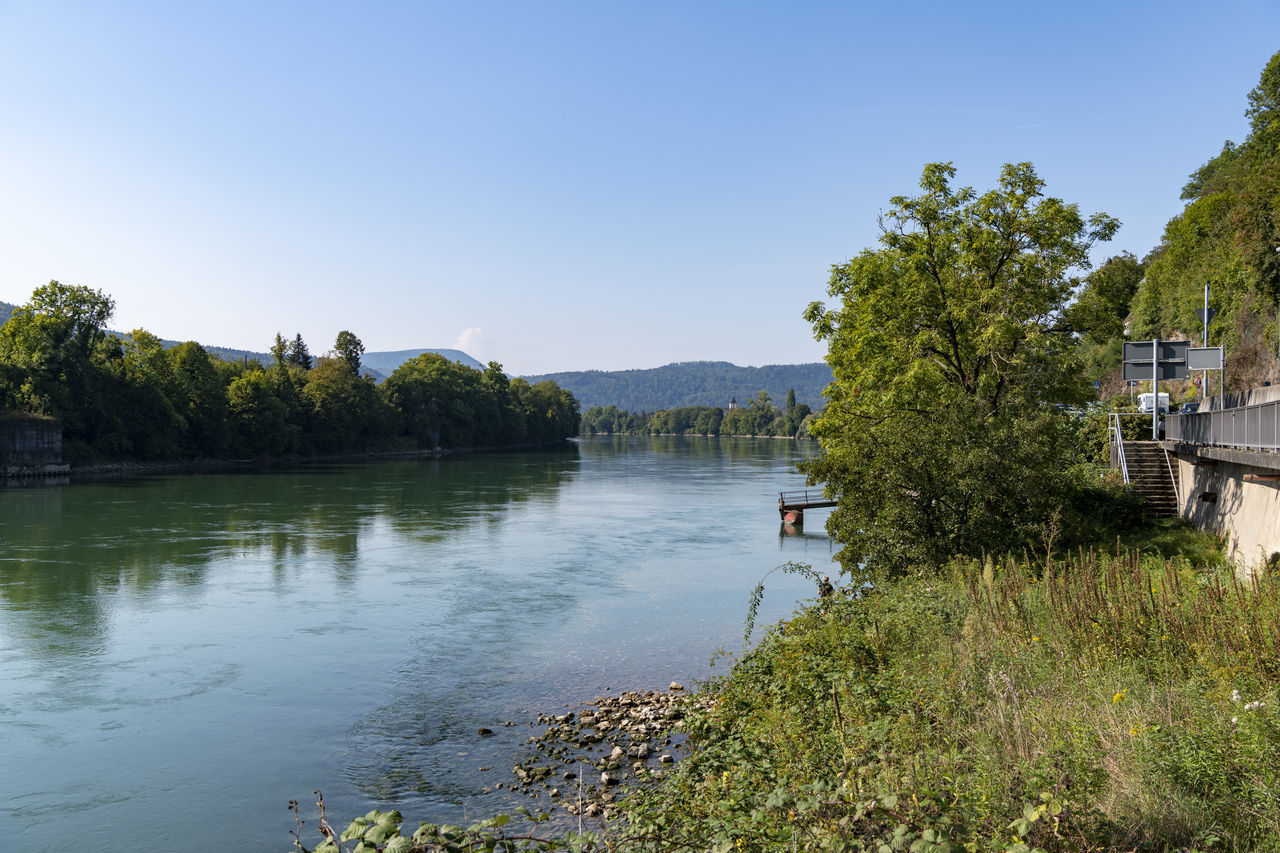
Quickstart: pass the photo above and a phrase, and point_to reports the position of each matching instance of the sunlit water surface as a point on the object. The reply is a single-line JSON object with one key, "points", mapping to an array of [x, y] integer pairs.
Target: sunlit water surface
{"points": [[182, 655]]}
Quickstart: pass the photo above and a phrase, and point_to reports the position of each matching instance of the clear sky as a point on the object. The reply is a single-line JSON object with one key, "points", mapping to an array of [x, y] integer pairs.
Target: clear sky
{"points": [[566, 185]]}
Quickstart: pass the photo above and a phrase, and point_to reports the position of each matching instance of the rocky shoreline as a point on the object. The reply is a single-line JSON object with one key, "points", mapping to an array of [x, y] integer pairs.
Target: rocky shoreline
{"points": [[586, 758]]}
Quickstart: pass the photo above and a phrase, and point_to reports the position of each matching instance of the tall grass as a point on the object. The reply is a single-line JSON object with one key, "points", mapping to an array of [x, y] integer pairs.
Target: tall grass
{"points": [[1097, 701]]}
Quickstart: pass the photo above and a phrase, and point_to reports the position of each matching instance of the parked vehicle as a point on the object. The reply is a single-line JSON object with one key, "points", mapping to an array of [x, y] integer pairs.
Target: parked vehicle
{"points": [[1147, 401], [1189, 408]]}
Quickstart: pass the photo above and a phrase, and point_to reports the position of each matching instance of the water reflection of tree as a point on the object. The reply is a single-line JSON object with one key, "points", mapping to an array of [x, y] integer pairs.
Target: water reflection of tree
{"points": [[68, 551], [739, 450]]}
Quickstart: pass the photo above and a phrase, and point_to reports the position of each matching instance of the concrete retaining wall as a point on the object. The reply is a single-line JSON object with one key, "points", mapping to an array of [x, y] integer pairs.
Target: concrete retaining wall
{"points": [[1248, 513], [30, 442]]}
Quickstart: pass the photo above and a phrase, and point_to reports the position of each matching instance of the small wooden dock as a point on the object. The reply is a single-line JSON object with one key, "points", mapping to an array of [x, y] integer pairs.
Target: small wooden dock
{"points": [[791, 505]]}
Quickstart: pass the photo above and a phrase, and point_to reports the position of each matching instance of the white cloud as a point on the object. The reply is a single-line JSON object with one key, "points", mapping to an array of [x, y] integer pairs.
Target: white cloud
{"points": [[474, 342]]}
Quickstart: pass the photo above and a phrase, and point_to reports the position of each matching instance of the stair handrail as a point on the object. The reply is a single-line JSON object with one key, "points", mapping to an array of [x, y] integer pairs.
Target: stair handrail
{"points": [[1177, 491], [1117, 439]]}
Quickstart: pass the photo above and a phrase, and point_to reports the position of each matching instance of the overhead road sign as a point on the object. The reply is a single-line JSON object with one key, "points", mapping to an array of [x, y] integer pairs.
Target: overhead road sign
{"points": [[1204, 358], [1141, 372], [1172, 365], [1156, 360], [1169, 350]]}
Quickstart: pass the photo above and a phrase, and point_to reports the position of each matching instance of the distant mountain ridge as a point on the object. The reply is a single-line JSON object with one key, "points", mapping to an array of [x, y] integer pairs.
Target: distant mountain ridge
{"points": [[379, 364], [387, 361], [693, 383]]}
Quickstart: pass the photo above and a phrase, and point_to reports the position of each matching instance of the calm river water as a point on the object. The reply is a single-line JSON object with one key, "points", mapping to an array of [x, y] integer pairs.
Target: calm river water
{"points": [[182, 655]]}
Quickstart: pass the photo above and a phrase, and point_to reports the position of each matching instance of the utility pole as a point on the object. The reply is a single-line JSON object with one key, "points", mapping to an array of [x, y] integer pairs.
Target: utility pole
{"points": [[1204, 374]]}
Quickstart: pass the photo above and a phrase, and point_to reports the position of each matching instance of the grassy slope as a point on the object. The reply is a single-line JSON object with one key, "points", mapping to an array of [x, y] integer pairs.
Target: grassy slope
{"points": [[1101, 705]]}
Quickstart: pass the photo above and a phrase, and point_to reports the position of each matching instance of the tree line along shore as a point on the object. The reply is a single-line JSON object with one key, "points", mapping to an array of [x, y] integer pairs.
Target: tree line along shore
{"points": [[132, 399], [760, 417]]}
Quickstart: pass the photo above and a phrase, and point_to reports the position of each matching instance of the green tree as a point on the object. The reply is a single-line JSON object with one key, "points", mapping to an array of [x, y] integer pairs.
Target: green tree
{"points": [[511, 426], [343, 406], [199, 396], [350, 349], [1102, 304], [298, 354], [259, 415], [50, 342], [947, 345], [280, 351], [428, 393], [155, 427]]}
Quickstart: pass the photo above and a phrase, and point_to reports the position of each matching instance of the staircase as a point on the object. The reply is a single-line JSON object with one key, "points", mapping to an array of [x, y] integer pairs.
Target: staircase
{"points": [[1151, 478]]}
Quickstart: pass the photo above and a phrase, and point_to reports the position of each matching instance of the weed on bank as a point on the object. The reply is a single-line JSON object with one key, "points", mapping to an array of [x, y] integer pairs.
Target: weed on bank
{"points": [[1103, 702]]}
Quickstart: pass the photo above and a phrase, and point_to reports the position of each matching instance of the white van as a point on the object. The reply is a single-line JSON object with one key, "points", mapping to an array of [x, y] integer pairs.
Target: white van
{"points": [[1145, 402]]}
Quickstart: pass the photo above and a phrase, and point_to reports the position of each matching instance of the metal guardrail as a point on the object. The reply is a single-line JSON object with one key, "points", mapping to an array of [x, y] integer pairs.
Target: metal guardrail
{"points": [[1255, 427], [807, 496]]}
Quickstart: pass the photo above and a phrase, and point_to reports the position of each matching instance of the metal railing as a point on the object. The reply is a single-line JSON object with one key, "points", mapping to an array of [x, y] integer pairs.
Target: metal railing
{"points": [[1117, 444], [1255, 427], [801, 498], [1115, 435], [1173, 478]]}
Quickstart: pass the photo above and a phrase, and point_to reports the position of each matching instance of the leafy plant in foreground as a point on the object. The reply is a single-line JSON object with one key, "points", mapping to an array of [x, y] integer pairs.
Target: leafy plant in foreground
{"points": [[379, 832], [757, 592]]}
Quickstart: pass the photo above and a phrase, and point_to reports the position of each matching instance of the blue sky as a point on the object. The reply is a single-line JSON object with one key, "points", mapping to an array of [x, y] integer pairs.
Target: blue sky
{"points": [[566, 185]]}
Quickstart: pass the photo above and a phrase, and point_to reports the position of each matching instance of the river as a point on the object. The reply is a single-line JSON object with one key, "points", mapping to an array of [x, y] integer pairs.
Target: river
{"points": [[181, 655]]}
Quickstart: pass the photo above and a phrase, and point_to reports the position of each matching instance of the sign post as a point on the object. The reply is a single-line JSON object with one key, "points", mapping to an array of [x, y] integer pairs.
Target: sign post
{"points": [[1155, 390], [1156, 360], [1206, 314]]}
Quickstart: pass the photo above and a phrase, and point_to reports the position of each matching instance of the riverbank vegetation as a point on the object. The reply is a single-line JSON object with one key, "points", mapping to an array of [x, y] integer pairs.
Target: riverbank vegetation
{"points": [[132, 398], [758, 417], [1092, 701]]}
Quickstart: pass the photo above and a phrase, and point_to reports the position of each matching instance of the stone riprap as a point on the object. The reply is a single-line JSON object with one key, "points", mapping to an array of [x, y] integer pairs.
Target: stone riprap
{"points": [[586, 758]]}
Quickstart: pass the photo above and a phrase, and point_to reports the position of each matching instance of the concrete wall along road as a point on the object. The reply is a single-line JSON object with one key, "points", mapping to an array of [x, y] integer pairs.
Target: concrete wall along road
{"points": [[1216, 497]]}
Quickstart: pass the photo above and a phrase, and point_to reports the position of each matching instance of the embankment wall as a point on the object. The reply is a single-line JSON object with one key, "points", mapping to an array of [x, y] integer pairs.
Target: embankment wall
{"points": [[30, 442], [1215, 496]]}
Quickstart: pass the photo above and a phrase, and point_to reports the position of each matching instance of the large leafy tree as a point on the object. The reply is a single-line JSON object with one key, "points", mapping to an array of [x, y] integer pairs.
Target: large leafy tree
{"points": [[346, 409], [50, 342], [199, 396], [350, 350], [948, 345], [258, 414], [432, 395]]}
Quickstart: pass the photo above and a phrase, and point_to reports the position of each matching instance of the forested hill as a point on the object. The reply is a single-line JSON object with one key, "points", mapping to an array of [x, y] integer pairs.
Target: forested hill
{"points": [[692, 383]]}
